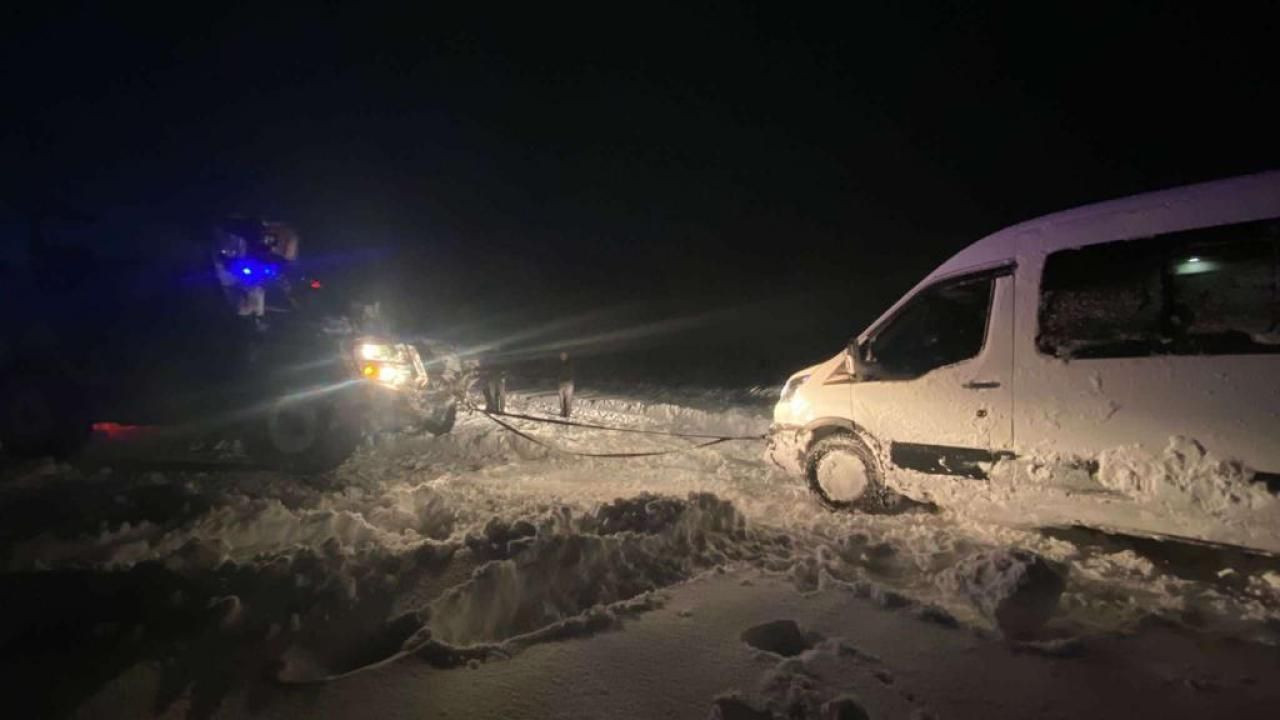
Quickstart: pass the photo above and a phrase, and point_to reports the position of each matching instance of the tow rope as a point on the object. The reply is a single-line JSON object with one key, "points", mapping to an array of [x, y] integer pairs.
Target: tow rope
{"points": [[593, 426], [710, 440]]}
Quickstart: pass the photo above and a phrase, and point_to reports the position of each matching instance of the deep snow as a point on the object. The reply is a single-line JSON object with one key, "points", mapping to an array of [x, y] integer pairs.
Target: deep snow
{"points": [[198, 584]]}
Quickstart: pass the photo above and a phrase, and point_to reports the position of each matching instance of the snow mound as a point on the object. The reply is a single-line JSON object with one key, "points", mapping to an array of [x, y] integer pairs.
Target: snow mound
{"points": [[567, 563], [845, 707], [1017, 589], [466, 548], [816, 684], [1184, 474], [731, 706]]}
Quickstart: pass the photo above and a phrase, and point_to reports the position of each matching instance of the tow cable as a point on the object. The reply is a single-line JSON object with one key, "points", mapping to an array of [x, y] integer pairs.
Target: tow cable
{"points": [[709, 440]]}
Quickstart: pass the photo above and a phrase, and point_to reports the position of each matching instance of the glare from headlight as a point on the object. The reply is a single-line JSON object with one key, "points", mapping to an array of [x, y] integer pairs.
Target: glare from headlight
{"points": [[382, 353], [393, 375], [393, 365]]}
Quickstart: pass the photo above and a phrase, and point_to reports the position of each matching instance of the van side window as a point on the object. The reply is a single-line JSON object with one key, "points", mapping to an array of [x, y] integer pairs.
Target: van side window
{"points": [[942, 325], [1211, 291]]}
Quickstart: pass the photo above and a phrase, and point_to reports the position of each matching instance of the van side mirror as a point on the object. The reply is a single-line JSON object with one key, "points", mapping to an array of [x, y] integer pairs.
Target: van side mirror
{"points": [[854, 361], [857, 363]]}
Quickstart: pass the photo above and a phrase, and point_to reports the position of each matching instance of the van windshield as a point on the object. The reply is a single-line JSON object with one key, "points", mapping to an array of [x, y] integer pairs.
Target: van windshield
{"points": [[940, 326]]}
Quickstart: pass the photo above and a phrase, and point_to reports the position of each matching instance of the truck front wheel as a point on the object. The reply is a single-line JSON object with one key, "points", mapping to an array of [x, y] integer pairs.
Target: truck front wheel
{"points": [[302, 436], [441, 419]]}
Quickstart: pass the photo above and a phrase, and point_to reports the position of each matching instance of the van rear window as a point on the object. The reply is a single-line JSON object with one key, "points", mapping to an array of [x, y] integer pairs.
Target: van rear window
{"points": [[1211, 291]]}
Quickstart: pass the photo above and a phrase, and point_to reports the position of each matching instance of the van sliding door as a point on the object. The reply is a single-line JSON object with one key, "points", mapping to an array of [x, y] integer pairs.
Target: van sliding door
{"points": [[1156, 341]]}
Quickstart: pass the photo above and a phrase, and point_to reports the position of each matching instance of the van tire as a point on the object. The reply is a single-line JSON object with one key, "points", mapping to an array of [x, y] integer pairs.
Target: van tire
{"points": [[845, 474]]}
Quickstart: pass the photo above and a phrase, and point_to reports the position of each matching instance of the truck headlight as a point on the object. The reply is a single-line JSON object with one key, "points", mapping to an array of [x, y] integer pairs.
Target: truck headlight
{"points": [[393, 365], [384, 352]]}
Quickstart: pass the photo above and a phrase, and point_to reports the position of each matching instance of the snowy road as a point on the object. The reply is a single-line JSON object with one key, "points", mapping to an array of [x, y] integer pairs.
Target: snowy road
{"points": [[183, 589]]}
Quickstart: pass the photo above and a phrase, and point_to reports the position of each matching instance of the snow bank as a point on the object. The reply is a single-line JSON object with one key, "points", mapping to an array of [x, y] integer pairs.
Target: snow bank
{"points": [[1017, 589], [481, 541], [818, 682], [243, 527], [1181, 491], [1183, 478], [569, 563]]}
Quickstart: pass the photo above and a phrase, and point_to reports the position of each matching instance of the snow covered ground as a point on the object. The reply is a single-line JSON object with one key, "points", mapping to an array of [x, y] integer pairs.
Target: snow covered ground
{"points": [[481, 575]]}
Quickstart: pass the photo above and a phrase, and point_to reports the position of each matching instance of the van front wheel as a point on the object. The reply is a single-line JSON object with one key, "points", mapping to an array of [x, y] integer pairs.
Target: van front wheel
{"points": [[844, 474]]}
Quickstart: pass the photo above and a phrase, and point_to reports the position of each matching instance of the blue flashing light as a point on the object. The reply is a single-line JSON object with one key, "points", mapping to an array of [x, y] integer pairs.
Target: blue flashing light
{"points": [[252, 271]]}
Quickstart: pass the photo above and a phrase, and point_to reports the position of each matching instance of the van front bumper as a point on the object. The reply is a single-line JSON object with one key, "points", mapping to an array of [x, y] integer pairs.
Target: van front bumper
{"points": [[785, 448]]}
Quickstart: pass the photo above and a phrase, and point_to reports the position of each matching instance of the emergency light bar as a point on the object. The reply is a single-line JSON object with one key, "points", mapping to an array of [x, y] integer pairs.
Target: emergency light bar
{"points": [[251, 271]]}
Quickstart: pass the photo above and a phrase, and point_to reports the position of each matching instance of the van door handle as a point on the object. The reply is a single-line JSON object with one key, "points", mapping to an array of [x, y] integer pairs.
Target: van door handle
{"points": [[980, 385]]}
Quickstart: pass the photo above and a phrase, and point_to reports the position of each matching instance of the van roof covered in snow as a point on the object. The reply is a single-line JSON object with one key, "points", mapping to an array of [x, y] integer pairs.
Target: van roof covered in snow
{"points": [[1217, 202]]}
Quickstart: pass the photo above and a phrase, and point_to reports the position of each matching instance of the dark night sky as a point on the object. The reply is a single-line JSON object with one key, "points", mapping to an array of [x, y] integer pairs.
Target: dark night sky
{"points": [[779, 175]]}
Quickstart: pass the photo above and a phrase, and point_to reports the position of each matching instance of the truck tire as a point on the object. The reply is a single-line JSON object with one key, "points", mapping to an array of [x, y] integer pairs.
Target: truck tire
{"points": [[42, 415], [844, 474], [301, 436], [442, 419]]}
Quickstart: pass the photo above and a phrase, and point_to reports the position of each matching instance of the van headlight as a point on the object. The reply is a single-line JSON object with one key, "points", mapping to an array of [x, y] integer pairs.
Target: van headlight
{"points": [[790, 388]]}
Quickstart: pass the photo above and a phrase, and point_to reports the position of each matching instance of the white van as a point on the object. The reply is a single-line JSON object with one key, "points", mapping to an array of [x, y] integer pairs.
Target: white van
{"points": [[1142, 327]]}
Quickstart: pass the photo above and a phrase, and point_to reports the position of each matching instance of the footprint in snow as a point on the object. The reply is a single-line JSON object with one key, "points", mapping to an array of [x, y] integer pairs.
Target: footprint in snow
{"points": [[780, 637]]}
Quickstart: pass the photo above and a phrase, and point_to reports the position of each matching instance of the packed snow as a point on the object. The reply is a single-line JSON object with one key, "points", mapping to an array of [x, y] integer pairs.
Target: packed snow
{"points": [[191, 579]]}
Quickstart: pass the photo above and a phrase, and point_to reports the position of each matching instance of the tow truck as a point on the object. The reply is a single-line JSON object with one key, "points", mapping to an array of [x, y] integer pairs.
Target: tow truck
{"points": [[91, 335]]}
